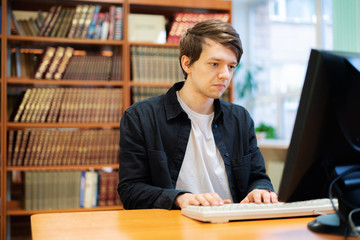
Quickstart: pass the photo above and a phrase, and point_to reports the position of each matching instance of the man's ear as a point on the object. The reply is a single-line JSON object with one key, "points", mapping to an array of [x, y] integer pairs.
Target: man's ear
{"points": [[185, 63]]}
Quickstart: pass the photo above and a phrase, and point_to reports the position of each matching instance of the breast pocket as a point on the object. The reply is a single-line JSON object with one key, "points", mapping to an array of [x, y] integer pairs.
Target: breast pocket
{"points": [[160, 174]]}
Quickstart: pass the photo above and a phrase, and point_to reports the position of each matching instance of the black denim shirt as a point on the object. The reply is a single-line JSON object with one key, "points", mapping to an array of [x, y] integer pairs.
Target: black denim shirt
{"points": [[153, 138]]}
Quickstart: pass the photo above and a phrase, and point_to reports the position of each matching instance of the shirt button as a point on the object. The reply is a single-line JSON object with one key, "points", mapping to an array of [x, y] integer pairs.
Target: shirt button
{"points": [[226, 154], [215, 126]]}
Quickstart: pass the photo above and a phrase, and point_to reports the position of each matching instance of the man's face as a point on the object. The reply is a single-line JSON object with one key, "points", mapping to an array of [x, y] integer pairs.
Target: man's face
{"points": [[212, 73]]}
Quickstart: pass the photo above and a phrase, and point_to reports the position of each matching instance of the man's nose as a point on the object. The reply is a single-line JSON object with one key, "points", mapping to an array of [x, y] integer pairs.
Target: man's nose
{"points": [[224, 73]]}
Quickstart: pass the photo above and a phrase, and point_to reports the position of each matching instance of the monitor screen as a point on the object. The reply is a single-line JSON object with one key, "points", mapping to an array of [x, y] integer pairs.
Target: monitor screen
{"points": [[326, 137]]}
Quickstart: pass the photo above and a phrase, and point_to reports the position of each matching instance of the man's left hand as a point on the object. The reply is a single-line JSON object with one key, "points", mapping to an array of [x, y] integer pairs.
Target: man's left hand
{"points": [[260, 196]]}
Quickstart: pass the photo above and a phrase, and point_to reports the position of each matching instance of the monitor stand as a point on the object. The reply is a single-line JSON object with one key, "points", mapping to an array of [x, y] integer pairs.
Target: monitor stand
{"points": [[330, 224]]}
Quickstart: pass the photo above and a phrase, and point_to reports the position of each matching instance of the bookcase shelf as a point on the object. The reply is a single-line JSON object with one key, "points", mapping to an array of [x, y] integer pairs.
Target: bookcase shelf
{"points": [[203, 4], [26, 80], [153, 44], [15, 209], [13, 86], [17, 125], [45, 40], [68, 167]]}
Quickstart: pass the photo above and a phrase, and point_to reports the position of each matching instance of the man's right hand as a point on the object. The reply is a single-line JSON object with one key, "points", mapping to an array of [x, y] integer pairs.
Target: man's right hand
{"points": [[204, 199]]}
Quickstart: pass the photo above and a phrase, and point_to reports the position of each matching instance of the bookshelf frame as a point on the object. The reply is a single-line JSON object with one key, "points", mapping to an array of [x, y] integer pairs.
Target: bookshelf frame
{"points": [[165, 7]]}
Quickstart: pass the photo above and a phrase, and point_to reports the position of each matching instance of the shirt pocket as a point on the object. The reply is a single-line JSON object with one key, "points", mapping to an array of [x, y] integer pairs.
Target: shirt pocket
{"points": [[241, 170], [160, 174]]}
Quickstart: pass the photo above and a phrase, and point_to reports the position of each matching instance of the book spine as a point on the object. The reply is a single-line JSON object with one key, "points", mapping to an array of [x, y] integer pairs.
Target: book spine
{"points": [[23, 147], [118, 28], [15, 27], [105, 27], [81, 22], [64, 29], [111, 22], [45, 62], [10, 151], [91, 28], [53, 66], [47, 20], [59, 21], [75, 21], [87, 22], [52, 22]]}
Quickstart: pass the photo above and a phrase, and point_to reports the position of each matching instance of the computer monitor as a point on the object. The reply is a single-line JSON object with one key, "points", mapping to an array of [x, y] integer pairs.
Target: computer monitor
{"points": [[325, 141]]}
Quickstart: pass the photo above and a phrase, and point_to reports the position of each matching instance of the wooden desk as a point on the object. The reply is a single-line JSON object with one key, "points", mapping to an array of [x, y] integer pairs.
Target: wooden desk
{"points": [[162, 224]]}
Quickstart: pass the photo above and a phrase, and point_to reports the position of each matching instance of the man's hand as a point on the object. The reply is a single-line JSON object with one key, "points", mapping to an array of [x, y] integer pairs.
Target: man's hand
{"points": [[204, 199], [260, 196]]}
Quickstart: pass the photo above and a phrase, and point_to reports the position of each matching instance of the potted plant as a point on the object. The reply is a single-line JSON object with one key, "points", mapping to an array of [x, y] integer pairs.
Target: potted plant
{"points": [[265, 131]]}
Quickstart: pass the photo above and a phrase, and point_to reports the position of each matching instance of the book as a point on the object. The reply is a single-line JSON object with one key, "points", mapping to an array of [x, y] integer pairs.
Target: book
{"points": [[45, 62], [118, 25], [67, 22], [105, 27], [88, 18], [81, 21], [10, 149], [35, 28], [59, 21], [52, 22], [47, 20], [147, 28], [75, 21], [111, 22], [91, 29], [14, 25], [98, 26], [90, 191], [59, 72], [55, 62], [22, 148], [28, 187]]}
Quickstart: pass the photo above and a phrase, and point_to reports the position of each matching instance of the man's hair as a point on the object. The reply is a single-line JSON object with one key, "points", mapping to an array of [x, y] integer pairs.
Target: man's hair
{"points": [[191, 43]]}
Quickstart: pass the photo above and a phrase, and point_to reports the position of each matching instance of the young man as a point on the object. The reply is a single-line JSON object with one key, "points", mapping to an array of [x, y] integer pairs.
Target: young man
{"points": [[188, 147]]}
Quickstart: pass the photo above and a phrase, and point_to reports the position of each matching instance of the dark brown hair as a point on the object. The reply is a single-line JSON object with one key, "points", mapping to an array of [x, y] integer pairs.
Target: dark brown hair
{"points": [[192, 41]]}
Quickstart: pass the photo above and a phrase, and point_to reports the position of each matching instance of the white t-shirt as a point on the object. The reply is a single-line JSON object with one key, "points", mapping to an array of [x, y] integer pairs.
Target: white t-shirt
{"points": [[203, 169]]}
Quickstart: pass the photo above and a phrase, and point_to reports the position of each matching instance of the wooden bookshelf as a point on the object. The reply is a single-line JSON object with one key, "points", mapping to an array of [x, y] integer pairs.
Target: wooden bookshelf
{"points": [[12, 85]]}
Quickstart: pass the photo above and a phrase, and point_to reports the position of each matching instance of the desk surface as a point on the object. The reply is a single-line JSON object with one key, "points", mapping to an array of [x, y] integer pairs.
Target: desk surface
{"points": [[162, 224]]}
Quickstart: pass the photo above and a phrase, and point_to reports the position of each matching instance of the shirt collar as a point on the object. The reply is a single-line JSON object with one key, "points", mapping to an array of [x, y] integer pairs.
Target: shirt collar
{"points": [[173, 107]]}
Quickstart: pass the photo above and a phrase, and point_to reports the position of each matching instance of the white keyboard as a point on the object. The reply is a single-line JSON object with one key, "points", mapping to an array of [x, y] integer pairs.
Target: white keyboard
{"points": [[246, 211]]}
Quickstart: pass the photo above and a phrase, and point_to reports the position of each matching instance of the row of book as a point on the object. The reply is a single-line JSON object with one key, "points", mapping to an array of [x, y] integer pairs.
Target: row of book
{"points": [[70, 189], [155, 64], [83, 21], [73, 105], [62, 147], [184, 20], [60, 63], [141, 93]]}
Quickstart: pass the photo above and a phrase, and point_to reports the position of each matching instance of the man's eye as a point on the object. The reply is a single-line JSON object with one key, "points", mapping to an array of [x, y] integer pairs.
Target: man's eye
{"points": [[232, 68], [213, 64]]}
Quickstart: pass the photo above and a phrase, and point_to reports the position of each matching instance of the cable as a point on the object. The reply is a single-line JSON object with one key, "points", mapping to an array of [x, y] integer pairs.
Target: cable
{"points": [[351, 222], [347, 172], [332, 202]]}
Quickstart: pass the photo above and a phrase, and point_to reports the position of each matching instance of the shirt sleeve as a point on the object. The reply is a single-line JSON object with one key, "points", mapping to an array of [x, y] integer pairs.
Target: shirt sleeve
{"points": [[258, 177], [135, 177]]}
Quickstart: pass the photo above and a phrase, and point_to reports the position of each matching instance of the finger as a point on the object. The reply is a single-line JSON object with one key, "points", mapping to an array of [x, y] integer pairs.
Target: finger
{"points": [[214, 199], [227, 201], [203, 201], [245, 200], [266, 196], [186, 199], [257, 197], [193, 201], [274, 197]]}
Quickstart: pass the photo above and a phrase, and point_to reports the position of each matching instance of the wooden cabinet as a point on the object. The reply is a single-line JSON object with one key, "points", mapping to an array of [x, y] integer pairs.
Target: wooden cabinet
{"points": [[15, 85]]}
